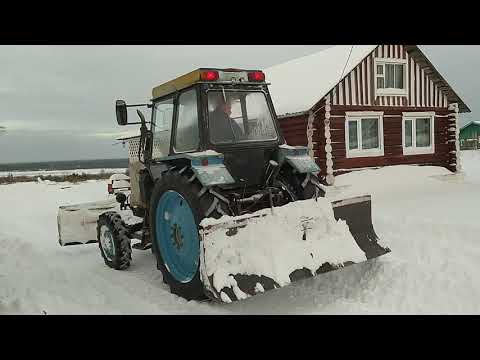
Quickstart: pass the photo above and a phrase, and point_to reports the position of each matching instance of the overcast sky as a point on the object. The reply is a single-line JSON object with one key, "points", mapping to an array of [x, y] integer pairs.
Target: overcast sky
{"points": [[57, 102]]}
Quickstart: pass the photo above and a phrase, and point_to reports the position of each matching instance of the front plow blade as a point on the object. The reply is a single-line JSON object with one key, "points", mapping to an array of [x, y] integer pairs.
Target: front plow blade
{"points": [[247, 255], [357, 213]]}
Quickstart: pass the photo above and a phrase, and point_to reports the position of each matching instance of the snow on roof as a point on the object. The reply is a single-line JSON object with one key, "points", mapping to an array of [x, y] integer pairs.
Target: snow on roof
{"points": [[298, 84]]}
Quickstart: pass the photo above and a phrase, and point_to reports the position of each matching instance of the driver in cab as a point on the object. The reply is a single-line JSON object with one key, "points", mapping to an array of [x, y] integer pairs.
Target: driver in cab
{"points": [[222, 127]]}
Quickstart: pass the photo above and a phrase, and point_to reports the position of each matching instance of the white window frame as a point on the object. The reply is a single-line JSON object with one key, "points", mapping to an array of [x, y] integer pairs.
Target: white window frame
{"points": [[414, 150], [391, 91], [358, 116]]}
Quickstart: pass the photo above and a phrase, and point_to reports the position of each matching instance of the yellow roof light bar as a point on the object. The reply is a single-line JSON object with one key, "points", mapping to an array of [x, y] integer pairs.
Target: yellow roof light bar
{"points": [[207, 75]]}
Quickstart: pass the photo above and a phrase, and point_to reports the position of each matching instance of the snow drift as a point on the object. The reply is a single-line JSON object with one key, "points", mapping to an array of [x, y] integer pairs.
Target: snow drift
{"points": [[426, 215]]}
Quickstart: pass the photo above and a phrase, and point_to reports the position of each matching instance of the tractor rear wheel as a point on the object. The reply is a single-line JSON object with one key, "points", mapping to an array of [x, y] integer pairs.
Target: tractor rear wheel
{"points": [[113, 240], [178, 205]]}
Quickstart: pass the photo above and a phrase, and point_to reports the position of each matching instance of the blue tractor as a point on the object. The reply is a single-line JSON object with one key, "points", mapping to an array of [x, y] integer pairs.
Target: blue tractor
{"points": [[213, 149]]}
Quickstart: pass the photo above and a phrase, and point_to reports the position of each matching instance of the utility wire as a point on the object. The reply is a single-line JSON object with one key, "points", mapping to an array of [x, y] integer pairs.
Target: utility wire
{"points": [[345, 66], [341, 76]]}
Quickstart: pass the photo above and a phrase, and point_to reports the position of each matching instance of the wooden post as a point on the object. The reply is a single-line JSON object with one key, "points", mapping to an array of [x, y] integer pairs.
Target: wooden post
{"points": [[330, 178], [454, 120], [310, 129]]}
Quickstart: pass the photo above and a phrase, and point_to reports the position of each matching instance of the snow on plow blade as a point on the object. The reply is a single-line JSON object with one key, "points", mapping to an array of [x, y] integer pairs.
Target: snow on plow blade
{"points": [[246, 255], [77, 224]]}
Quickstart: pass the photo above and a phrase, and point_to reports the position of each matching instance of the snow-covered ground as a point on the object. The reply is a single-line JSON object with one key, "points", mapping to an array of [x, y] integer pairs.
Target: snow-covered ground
{"points": [[428, 217], [62, 172]]}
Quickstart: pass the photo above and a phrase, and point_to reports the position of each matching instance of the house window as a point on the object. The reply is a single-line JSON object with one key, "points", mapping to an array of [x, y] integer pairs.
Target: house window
{"points": [[390, 77], [418, 133], [364, 134]]}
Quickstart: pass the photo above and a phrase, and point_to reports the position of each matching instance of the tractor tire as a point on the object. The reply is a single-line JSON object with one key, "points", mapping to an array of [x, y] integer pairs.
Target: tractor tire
{"points": [[198, 203], [311, 187], [287, 188], [113, 240], [305, 186]]}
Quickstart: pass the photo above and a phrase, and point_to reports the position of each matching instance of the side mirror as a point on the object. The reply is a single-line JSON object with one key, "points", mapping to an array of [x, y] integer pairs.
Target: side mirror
{"points": [[121, 110]]}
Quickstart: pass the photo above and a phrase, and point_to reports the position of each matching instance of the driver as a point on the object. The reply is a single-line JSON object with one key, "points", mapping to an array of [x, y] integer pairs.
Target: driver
{"points": [[222, 126]]}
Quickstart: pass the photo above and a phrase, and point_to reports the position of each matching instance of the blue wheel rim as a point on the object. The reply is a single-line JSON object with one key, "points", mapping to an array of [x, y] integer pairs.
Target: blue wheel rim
{"points": [[177, 236]]}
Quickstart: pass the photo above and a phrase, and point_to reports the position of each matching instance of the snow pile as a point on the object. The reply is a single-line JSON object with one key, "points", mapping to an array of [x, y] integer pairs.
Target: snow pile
{"points": [[120, 184], [118, 177], [204, 153], [389, 181], [272, 245], [39, 276]]}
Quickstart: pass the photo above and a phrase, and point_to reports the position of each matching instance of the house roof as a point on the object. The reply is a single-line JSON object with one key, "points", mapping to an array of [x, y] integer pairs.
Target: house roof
{"points": [[437, 78], [470, 123], [297, 85]]}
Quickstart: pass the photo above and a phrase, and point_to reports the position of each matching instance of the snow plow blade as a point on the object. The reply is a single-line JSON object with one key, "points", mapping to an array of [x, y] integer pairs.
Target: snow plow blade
{"points": [[357, 213], [77, 224], [247, 255]]}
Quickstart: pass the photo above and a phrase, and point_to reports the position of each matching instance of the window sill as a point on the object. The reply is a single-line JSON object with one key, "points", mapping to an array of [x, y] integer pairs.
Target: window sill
{"points": [[418, 151], [390, 93], [365, 153]]}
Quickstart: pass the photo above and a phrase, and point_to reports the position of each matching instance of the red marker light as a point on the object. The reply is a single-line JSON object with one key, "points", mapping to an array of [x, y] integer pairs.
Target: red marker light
{"points": [[256, 76], [205, 162], [209, 75]]}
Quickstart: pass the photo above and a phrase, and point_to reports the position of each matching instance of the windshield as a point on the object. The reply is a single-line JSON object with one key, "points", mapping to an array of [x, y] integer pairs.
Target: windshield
{"points": [[239, 116]]}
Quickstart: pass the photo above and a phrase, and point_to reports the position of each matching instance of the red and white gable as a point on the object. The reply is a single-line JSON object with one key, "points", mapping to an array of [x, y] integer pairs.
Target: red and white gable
{"points": [[389, 76]]}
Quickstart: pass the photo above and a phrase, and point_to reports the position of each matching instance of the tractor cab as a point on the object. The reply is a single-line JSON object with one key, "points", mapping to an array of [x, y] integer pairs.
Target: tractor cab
{"points": [[228, 111], [210, 109]]}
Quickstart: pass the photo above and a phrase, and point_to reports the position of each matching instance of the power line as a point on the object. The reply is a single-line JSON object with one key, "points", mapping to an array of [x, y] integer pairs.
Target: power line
{"points": [[341, 76], [346, 62]]}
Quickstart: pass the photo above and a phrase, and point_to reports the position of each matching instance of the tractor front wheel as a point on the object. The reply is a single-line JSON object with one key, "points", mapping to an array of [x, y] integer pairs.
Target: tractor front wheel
{"points": [[305, 186], [310, 187], [113, 240]]}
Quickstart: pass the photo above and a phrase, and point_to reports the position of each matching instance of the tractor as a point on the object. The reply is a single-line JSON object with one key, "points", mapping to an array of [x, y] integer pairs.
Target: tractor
{"points": [[212, 150]]}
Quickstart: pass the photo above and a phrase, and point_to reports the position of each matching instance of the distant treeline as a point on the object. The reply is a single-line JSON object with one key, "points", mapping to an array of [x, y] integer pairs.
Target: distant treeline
{"points": [[66, 165], [72, 178]]}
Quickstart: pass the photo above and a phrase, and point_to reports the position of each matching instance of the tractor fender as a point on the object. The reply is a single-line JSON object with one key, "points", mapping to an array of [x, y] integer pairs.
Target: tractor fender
{"points": [[211, 171], [208, 167], [298, 158]]}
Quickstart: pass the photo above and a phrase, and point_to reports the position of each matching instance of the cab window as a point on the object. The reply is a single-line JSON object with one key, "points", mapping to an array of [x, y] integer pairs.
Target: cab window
{"points": [[162, 128], [187, 134]]}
